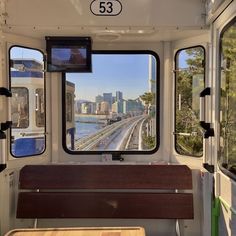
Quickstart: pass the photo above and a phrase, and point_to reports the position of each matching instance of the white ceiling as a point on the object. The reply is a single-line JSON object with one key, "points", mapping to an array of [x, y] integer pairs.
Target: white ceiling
{"points": [[140, 20]]}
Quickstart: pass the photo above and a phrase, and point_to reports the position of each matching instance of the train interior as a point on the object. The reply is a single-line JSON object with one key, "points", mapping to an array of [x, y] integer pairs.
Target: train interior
{"points": [[121, 100]]}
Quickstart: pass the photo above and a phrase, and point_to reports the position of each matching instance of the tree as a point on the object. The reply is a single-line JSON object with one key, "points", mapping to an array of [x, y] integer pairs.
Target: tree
{"points": [[150, 102], [148, 98], [228, 98], [189, 83], [149, 142]]}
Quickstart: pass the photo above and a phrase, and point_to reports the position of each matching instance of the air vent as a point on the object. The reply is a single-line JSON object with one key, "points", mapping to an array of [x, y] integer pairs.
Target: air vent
{"points": [[108, 36]]}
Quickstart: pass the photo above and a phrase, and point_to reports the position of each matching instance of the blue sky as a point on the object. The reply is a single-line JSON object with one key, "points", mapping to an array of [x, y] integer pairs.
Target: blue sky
{"points": [[183, 56], [18, 52], [126, 73], [111, 73]]}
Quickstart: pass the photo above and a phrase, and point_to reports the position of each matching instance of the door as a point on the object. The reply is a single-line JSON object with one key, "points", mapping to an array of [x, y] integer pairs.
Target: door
{"points": [[224, 118]]}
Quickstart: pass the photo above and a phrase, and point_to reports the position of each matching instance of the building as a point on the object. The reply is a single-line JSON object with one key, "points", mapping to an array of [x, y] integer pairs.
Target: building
{"points": [[151, 125], [99, 99], [152, 74], [119, 96], [104, 108], [88, 108], [133, 107], [117, 107], [107, 97], [77, 106], [92, 107], [84, 108]]}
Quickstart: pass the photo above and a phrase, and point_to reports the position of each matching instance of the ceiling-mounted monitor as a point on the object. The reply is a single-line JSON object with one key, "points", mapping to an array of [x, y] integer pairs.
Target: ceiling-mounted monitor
{"points": [[68, 54]]}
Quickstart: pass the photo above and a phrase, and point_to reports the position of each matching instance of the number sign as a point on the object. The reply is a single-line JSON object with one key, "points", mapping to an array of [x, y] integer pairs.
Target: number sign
{"points": [[106, 7]]}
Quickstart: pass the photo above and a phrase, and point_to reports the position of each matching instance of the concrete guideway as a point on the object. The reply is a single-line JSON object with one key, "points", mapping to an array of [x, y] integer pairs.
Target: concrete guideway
{"points": [[89, 142]]}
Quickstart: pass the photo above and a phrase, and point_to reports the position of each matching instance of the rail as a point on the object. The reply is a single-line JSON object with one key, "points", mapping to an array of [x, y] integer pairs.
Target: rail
{"points": [[91, 141], [132, 131]]}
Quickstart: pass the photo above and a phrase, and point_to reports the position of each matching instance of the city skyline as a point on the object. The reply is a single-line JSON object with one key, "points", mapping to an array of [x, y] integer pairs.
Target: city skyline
{"points": [[100, 96], [109, 103]]}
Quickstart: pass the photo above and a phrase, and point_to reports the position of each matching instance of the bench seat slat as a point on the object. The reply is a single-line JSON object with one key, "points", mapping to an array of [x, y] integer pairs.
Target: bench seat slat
{"points": [[105, 177], [105, 205]]}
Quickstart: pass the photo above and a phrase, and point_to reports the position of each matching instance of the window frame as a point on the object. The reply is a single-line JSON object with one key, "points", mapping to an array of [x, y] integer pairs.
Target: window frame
{"points": [[45, 102], [225, 28], [116, 153], [175, 84]]}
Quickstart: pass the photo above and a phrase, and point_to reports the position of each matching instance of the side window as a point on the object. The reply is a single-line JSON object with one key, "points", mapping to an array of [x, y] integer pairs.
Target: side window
{"points": [[189, 82], [39, 107], [28, 103], [69, 105], [115, 107], [20, 108], [227, 157]]}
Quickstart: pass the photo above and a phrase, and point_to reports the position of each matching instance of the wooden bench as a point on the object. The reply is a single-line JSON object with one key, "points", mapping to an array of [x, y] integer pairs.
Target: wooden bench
{"points": [[105, 191]]}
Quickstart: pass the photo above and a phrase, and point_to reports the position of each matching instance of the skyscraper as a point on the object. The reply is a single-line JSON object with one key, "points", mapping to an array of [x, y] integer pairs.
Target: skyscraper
{"points": [[98, 98], [104, 108], [152, 89], [152, 74], [117, 107], [119, 96], [132, 106], [107, 97]]}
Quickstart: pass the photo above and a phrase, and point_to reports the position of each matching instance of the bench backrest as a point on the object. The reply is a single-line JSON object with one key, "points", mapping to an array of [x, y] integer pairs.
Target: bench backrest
{"points": [[105, 191]]}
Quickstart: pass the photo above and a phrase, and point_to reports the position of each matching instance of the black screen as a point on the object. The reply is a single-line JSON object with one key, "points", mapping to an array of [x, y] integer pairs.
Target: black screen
{"points": [[68, 54]]}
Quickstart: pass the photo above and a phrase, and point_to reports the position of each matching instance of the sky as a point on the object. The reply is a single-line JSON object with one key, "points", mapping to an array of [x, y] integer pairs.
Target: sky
{"points": [[19, 52], [111, 73], [126, 73], [183, 56]]}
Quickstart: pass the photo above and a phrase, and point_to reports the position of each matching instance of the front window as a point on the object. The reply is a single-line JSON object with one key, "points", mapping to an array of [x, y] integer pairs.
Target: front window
{"points": [[227, 157], [115, 107], [189, 82]]}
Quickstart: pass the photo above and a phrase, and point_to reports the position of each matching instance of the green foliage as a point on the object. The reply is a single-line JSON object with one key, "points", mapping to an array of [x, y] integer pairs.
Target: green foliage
{"points": [[149, 142], [228, 99], [189, 145], [196, 59], [189, 83], [148, 98], [150, 103]]}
